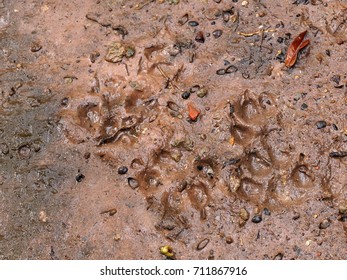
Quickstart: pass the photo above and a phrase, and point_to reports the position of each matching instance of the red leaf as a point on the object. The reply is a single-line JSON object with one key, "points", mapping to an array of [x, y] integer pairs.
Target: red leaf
{"points": [[294, 48]]}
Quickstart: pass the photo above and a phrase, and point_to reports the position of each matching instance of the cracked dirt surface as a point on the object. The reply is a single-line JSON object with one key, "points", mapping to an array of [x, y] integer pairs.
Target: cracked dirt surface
{"points": [[87, 90]]}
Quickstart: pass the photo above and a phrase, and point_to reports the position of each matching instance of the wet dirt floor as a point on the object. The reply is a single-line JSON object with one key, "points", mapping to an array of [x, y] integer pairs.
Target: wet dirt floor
{"points": [[127, 125]]}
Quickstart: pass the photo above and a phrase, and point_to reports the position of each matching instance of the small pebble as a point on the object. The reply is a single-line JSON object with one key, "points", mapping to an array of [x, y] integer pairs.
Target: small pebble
{"points": [[280, 40], [304, 106], [202, 92], [43, 217], [257, 219], [200, 37], [64, 101], [296, 216], [244, 214], [122, 170], [185, 95], [80, 177], [324, 224], [133, 183], [321, 124], [266, 211], [193, 23], [217, 33], [229, 239]]}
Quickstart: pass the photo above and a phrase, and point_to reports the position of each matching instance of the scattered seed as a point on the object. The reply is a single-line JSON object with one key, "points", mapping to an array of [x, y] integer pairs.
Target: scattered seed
{"points": [[220, 72], [122, 170], [133, 183], [202, 244], [80, 177], [193, 23], [339, 154], [200, 37], [43, 217], [185, 95], [296, 216], [217, 1], [199, 167], [324, 224], [257, 219], [231, 69], [321, 124], [335, 127], [173, 106], [35, 47]]}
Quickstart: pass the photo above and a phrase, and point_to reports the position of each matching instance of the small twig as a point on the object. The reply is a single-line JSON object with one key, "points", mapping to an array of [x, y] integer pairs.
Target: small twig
{"points": [[260, 32], [140, 6], [168, 80]]}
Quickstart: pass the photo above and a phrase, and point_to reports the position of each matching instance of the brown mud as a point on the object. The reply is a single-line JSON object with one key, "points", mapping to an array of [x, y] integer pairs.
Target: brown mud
{"points": [[100, 159]]}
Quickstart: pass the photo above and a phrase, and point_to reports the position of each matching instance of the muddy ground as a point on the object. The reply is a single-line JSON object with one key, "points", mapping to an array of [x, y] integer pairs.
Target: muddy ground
{"points": [[99, 158]]}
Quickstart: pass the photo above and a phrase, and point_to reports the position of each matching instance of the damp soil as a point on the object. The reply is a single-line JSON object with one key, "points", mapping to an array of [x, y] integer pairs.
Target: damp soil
{"points": [[126, 126]]}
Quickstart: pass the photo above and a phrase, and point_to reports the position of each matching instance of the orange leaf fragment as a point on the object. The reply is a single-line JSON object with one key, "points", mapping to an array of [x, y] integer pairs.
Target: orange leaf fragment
{"points": [[193, 112], [294, 48]]}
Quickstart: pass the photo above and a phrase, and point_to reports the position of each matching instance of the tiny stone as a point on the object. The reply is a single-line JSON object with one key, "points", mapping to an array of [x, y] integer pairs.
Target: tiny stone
{"points": [[64, 101], [185, 95], [324, 224], [296, 216], [229, 240], [133, 183], [321, 124], [244, 214], [304, 106], [193, 23], [335, 127], [257, 219], [280, 40], [202, 92], [43, 217], [217, 33], [200, 37], [116, 237], [343, 209], [122, 170], [266, 211], [79, 177]]}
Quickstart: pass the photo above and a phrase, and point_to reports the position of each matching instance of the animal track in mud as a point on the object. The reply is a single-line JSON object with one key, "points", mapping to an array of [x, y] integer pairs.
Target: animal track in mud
{"points": [[179, 174]]}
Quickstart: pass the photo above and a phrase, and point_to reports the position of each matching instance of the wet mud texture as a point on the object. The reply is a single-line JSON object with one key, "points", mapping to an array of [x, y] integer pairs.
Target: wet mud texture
{"points": [[100, 159]]}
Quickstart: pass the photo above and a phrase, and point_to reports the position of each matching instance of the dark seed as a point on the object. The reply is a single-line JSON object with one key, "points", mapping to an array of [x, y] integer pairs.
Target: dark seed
{"points": [[200, 37], [133, 183], [335, 127], [226, 16], [296, 216], [321, 124], [35, 47], [199, 167], [185, 95], [217, 1], [266, 211], [193, 23], [172, 106], [220, 72], [304, 106], [324, 224], [217, 33], [202, 244], [231, 69], [339, 154], [235, 1], [257, 219], [327, 52], [79, 177], [122, 170], [64, 101]]}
